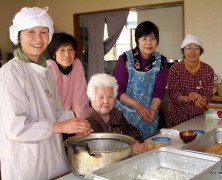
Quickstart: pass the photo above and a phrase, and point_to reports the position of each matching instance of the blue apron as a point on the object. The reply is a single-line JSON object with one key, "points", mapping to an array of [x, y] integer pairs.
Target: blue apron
{"points": [[140, 87]]}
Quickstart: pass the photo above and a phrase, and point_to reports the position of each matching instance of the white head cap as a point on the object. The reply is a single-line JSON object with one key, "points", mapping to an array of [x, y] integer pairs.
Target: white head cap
{"points": [[28, 18], [191, 39]]}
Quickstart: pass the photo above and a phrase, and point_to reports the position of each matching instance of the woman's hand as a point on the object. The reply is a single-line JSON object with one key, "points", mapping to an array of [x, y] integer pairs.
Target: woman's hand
{"points": [[139, 148], [71, 126], [147, 114], [193, 96], [201, 102], [151, 114]]}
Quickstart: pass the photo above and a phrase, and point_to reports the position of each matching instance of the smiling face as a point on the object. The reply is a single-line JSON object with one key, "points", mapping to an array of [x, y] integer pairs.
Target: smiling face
{"points": [[147, 45], [104, 100], [65, 55], [34, 41], [192, 52]]}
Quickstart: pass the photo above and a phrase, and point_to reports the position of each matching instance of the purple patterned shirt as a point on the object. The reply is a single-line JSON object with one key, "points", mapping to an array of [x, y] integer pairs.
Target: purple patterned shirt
{"points": [[121, 74], [181, 82]]}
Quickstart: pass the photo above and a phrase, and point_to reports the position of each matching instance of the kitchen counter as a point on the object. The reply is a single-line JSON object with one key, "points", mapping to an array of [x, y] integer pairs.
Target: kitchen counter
{"points": [[197, 122]]}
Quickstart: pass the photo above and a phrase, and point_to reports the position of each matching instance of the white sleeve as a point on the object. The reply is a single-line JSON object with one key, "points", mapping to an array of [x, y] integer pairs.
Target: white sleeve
{"points": [[19, 114], [15, 112]]}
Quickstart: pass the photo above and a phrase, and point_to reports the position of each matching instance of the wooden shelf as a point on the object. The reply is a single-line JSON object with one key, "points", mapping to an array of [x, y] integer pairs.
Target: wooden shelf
{"points": [[214, 106], [216, 102], [216, 98]]}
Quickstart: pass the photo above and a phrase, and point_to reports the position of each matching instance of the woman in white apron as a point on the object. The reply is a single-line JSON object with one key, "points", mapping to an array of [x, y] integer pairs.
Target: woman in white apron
{"points": [[31, 115]]}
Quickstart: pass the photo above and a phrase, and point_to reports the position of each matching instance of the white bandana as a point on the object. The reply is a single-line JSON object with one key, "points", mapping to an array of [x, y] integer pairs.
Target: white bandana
{"points": [[191, 39], [28, 18]]}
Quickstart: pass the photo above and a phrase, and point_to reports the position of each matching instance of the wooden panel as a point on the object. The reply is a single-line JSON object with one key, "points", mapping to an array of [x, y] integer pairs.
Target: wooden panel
{"points": [[216, 102], [214, 106], [217, 98]]}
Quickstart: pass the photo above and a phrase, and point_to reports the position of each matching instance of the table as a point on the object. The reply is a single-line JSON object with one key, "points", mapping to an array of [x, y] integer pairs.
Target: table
{"points": [[197, 122]]}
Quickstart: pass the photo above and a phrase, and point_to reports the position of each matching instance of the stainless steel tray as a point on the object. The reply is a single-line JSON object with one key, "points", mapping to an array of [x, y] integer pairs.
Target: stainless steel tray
{"points": [[192, 163], [205, 141]]}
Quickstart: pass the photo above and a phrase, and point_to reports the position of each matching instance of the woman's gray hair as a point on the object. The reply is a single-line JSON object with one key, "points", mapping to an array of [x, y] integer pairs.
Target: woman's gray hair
{"points": [[101, 80]]}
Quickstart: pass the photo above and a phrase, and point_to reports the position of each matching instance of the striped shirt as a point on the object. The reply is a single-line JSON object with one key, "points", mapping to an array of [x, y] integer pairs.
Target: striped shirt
{"points": [[29, 107]]}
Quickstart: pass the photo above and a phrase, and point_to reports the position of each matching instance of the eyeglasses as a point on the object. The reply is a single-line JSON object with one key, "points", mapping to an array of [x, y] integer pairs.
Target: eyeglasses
{"points": [[195, 49], [145, 39]]}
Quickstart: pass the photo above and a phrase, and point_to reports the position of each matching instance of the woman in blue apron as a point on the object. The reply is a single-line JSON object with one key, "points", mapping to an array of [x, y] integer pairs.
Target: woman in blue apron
{"points": [[141, 74]]}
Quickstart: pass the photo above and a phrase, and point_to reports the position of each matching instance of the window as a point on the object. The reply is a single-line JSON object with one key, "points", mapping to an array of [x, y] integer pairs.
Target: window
{"points": [[122, 44], [125, 41]]}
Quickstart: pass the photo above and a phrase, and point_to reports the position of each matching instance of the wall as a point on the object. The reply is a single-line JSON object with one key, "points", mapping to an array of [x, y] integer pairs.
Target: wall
{"points": [[206, 23], [62, 11], [201, 18], [169, 21], [8, 9]]}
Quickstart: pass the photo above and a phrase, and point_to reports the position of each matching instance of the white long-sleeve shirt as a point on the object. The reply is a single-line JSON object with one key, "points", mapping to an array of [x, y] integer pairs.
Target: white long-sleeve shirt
{"points": [[29, 105]]}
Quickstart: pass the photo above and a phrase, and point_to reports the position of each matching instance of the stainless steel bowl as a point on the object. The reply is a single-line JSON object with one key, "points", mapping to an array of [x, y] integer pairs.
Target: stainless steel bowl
{"points": [[88, 153]]}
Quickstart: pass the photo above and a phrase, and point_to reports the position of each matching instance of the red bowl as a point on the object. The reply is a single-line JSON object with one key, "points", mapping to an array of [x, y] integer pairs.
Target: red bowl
{"points": [[188, 136]]}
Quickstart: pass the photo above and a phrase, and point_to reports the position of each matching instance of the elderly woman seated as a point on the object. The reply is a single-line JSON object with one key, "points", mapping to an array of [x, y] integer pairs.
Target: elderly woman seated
{"points": [[103, 117]]}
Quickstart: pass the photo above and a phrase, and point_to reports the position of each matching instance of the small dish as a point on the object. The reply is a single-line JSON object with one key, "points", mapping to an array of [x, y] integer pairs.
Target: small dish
{"points": [[164, 140], [187, 136]]}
